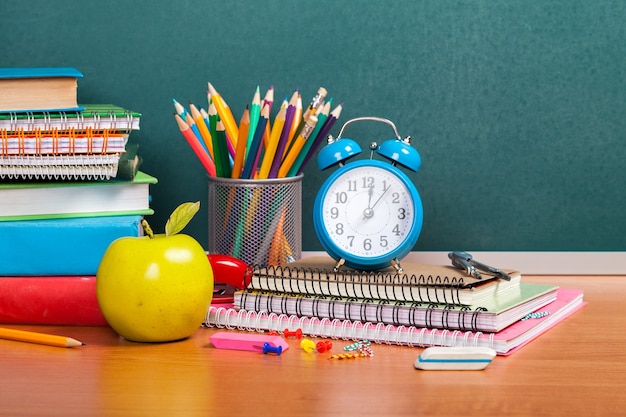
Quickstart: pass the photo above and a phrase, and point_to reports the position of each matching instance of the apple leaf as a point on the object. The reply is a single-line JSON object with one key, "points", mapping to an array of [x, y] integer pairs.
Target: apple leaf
{"points": [[180, 217]]}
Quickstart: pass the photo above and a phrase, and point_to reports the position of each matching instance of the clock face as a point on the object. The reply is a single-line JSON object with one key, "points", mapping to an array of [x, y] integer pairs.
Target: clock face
{"points": [[369, 210]]}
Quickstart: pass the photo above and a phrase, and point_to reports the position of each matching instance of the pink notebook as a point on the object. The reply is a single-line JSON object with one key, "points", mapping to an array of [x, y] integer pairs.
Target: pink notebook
{"points": [[504, 342]]}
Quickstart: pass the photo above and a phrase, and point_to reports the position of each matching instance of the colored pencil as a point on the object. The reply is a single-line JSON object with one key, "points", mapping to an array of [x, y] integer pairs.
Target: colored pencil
{"points": [[240, 151], [322, 115], [39, 338], [255, 147], [220, 133], [284, 136], [195, 145], [297, 145], [205, 134], [270, 150], [232, 131], [255, 113], [321, 135]]}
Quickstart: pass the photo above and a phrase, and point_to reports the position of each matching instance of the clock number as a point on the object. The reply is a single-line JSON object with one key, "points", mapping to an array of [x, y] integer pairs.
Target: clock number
{"points": [[352, 185], [396, 198], [368, 182], [396, 230], [402, 213], [334, 213], [341, 198], [339, 228], [351, 239], [367, 244], [383, 241]]}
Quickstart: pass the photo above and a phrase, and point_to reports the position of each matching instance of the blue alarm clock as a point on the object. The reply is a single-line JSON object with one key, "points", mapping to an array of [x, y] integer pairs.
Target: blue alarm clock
{"points": [[368, 213]]}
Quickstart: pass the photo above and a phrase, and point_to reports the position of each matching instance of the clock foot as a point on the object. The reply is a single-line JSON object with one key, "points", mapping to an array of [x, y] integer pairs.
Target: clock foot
{"points": [[339, 264], [396, 265]]}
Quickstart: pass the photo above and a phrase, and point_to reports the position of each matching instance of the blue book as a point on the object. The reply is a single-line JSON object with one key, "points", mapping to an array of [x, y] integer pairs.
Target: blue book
{"points": [[64, 246], [39, 89]]}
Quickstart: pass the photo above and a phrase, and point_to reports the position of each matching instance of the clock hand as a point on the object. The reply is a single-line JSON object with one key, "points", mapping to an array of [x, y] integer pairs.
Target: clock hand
{"points": [[381, 196], [368, 212]]}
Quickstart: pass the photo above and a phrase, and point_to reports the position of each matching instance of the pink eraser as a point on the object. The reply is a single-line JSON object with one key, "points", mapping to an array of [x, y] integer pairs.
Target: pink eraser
{"points": [[246, 341]]}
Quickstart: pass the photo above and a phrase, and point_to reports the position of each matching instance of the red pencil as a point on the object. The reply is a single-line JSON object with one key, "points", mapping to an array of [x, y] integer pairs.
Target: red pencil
{"points": [[196, 146]]}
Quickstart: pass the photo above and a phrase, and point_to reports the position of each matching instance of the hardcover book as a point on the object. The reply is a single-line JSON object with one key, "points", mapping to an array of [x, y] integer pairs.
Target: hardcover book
{"points": [[39, 89]]}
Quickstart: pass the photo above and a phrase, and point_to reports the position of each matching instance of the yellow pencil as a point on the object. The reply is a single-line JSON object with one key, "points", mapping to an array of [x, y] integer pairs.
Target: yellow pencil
{"points": [[270, 151], [225, 115], [297, 117], [297, 145], [39, 338]]}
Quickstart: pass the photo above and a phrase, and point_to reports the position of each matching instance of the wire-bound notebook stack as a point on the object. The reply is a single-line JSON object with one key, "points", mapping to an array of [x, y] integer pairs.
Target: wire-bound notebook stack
{"points": [[425, 305]]}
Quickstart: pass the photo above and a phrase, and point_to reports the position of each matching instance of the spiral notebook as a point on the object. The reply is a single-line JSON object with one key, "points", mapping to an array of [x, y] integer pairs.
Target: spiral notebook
{"points": [[492, 316], [437, 284], [94, 116], [78, 145], [504, 342]]}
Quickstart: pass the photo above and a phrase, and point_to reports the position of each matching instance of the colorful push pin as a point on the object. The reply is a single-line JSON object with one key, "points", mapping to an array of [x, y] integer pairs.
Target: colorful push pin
{"points": [[267, 348], [324, 346], [296, 333], [307, 345]]}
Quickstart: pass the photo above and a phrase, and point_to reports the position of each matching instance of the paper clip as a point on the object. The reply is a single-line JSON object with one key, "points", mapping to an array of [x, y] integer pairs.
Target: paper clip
{"points": [[464, 261]]}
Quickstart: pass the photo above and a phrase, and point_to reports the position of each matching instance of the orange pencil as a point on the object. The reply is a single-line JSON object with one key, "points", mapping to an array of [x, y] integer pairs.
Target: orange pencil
{"points": [[240, 152], [232, 131], [39, 338], [202, 128], [297, 145], [202, 155]]}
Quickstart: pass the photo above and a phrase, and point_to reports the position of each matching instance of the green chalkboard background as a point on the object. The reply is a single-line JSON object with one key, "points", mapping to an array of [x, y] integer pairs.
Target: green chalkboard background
{"points": [[518, 108]]}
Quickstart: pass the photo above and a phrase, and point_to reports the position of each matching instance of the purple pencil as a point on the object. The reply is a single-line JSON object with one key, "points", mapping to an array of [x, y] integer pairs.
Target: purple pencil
{"points": [[283, 140]]}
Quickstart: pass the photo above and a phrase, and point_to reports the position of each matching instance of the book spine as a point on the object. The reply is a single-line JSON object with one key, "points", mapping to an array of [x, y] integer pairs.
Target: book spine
{"points": [[63, 301], [72, 246]]}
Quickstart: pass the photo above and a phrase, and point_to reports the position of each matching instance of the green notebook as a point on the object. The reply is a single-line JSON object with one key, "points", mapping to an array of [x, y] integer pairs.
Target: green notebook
{"points": [[60, 199]]}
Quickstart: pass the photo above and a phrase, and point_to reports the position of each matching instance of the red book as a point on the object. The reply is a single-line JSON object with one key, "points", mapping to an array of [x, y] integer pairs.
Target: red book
{"points": [[53, 300]]}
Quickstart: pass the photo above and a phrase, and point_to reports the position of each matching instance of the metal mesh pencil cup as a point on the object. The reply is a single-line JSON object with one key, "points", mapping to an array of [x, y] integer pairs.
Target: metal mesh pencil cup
{"points": [[257, 221]]}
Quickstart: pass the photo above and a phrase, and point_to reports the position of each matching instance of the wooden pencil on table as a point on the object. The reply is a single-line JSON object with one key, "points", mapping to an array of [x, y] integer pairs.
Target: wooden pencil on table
{"points": [[39, 338]]}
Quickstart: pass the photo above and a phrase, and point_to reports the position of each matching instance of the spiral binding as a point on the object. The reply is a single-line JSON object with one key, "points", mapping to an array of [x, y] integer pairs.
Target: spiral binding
{"points": [[355, 284], [30, 121], [402, 313], [55, 167], [229, 318]]}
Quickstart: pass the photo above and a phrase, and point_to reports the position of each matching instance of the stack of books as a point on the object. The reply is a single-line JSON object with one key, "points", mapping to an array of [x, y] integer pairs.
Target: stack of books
{"points": [[425, 305], [69, 186]]}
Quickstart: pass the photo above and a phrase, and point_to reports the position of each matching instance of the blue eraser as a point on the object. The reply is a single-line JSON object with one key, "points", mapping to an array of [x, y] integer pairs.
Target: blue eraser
{"points": [[455, 358]]}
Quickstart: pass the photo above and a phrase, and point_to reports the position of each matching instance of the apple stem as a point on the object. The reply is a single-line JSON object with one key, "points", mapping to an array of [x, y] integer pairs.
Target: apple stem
{"points": [[147, 229]]}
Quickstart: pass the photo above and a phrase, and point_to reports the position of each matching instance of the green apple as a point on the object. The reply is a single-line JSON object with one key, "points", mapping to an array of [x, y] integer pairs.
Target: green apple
{"points": [[156, 288]]}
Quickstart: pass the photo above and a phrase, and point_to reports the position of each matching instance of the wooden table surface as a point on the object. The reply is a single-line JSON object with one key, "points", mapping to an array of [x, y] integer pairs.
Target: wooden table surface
{"points": [[578, 368]]}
